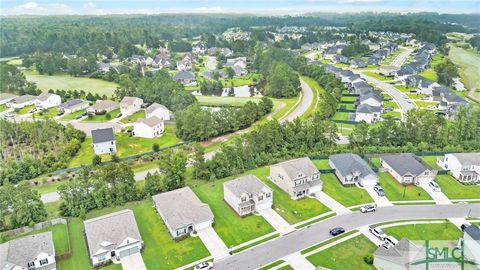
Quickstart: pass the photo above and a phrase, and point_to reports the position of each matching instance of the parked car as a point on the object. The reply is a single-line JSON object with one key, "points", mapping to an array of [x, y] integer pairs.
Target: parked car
{"points": [[388, 108], [9, 115], [464, 226], [336, 231], [32, 110], [119, 115], [368, 208], [84, 114], [433, 185], [204, 266], [377, 232], [78, 116], [391, 241], [397, 119], [424, 98], [59, 113], [379, 190]]}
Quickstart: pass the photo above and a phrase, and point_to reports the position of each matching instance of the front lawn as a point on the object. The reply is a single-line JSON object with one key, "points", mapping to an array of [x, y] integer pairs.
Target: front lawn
{"points": [[25, 109], [134, 117], [454, 190], [404, 88], [435, 231], [346, 255], [348, 196], [341, 116], [48, 113], [392, 114], [71, 116], [398, 192], [425, 104], [393, 104], [378, 76], [103, 117]]}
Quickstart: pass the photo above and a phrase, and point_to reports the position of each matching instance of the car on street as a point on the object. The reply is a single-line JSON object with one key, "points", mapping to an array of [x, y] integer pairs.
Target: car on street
{"points": [[368, 208], [391, 241], [118, 115], [204, 266], [379, 190], [336, 231], [377, 232], [433, 185]]}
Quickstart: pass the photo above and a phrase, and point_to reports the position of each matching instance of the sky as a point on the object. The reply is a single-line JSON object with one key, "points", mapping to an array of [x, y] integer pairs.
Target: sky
{"points": [[269, 7]]}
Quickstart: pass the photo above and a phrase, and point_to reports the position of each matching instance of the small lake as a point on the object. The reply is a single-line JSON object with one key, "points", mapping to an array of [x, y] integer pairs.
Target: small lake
{"points": [[239, 91]]}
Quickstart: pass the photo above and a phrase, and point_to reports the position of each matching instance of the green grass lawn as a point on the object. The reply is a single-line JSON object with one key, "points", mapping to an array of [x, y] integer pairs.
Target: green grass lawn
{"points": [[126, 146], [3, 108], [348, 196], [376, 162], [404, 88], [341, 116], [25, 109], [79, 258], [113, 267], [134, 117], [425, 104], [66, 82], [395, 191], [393, 114], [103, 117], [348, 98], [469, 63], [430, 73], [53, 209], [436, 231], [290, 105], [49, 113], [431, 161], [346, 106], [240, 81], [346, 255], [391, 103], [232, 228], [378, 76], [416, 95], [71, 116], [321, 164], [454, 190]]}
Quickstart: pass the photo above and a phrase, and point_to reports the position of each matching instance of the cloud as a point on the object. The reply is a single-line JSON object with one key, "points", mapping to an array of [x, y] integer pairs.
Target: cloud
{"points": [[89, 5], [34, 8]]}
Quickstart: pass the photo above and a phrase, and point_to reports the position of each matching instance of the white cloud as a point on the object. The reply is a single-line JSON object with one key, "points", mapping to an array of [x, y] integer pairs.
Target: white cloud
{"points": [[89, 5], [34, 8]]}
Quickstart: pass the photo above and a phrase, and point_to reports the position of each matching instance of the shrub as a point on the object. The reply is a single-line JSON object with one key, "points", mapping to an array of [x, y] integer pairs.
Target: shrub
{"points": [[368, 259]]}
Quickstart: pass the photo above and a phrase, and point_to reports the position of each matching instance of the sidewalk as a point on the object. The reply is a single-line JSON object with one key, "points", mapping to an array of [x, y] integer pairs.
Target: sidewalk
{"points": [[298, 262], [331, 203], [277, 222]]}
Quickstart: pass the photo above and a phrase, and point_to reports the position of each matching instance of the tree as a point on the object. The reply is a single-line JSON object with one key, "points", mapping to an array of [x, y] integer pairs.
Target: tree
{"points": [[97, 160], [446, 71], [282, 81], [230, 72], [155, 147], [198, 161], [154, 183], [172, 165]]}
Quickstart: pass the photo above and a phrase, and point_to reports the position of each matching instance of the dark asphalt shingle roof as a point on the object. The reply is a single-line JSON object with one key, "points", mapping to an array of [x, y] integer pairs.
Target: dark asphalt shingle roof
{"points": [[22, 250], [473, 231], [349, 163], [103, 135], [405, 163]]}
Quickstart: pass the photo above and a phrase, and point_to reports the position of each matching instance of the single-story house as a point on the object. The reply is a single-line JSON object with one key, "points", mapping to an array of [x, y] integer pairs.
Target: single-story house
{"points": [[239, 62], [47, 100], [182, 211], [73, 105], [471, 241], [387, 70], [151, 127], [397, 257], [407, 169], [6, 97], [185, 77], [351, 169], [298, 177], [357, 63], [104, 141], [340, 59], [159, 111], [184, 65], [21, 101], [34, 251], [112, 236], [103, 106], [130, 105], [247, 194], [368, 113], [465, 167]]}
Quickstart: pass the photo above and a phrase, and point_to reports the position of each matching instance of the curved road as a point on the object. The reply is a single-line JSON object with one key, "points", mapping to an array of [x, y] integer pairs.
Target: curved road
{"points": [[278, 248], [307, 99]]}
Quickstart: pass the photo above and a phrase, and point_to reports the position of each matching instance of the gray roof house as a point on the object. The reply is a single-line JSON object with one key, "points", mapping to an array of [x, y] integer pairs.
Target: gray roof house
{"points": [[397, 257], [407, 169], [351, 169], [368, 113], [34, 251], [185, 77], [298, 177], [21, 101], [73, 105], [182, 211], [465, 167], [104, 141], [6, 97], [361, 88], [357, 63], [112, 236], [103, 106], [471, 238], [247, 194]]}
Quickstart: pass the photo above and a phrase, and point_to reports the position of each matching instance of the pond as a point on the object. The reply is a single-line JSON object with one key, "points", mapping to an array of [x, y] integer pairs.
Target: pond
{"points": [[239, 91]]}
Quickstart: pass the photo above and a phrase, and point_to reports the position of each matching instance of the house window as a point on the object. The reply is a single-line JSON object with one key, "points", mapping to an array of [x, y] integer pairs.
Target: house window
{"points": [[101, 258], [260, 198], [244, 199], [44, 261], [30, 264], [268, 195]]}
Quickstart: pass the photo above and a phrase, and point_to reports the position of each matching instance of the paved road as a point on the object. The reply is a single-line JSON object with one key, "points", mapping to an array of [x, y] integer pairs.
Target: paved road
{"points": [[278, 248], [306, 101], [401, 58]]}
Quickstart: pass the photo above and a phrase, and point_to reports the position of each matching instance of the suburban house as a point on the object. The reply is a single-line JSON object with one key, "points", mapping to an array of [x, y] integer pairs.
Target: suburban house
{"points": [[103, 106], [21, 101], [104, 141], [239, 71], [397, 257], [185, 77], [374, 60], [471, 241], [368, 113], [387, 70], [6, 97], [239, 62], [372, 99], [184, 65], [158, 110], [247, 194], [199, 49], [112, 236], [211, 74], [407, 169], [357, 63], [298, 177], [34, 251], [361, 88], [182, 211], [329, 53], [351, 169], [339, 59], [465, 167], [47, 100], [73, 105], [130, 105], [161, 60], [151, 127], [402, 75]]}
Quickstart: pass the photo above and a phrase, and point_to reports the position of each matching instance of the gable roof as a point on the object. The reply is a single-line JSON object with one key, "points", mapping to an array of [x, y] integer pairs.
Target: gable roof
{"points": [[104, 104], [107, 232], [22, 250], [71, 103], [182, 207], [7, 96], [404, 163], [365, 108], [373, 95], [399, 254], [129, 100], [350, 163], [44, 96], [248, 184], [473, 231], [468, 159], [154, 107], [103, 135], [297, 166], [184, 75], [151, 121], [23, 99]]}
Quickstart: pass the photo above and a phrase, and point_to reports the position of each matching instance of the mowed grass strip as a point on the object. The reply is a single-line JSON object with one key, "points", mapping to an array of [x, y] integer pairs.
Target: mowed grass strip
{"points": [[398, 192], [348, 196], [71, 116], [455, 190], [434, 231], [79, 258]]}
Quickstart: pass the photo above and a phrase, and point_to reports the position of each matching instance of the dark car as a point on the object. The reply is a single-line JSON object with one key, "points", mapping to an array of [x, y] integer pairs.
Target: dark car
{"points": [[464, 226], [84, 114], [59, 113], [118, 115], [78, 117], [336, 231]]}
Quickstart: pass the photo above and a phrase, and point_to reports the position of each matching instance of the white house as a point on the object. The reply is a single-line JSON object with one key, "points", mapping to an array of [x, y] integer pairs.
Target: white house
{"points": [[372, 99], [73, 105], [182, 211], [103, 106], [239, 62], [30, 252], [148, 128], [407, 169], [130, 105], [351, 169], [21, 101], [465, 167], [184, 65], [159, 111], [112, 236], [471, 240], [104, 141], [6, 97], [247, 194], [367, 113], [47, 100]]}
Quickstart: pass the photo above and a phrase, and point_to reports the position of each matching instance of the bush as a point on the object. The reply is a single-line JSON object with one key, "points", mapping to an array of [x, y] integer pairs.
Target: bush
{"points": [[97, 160], [155, 147], [108, 116], [368, 259]]}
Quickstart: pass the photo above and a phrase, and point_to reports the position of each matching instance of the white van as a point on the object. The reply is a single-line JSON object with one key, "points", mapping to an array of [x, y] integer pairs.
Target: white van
{"points": [[391, 241]]}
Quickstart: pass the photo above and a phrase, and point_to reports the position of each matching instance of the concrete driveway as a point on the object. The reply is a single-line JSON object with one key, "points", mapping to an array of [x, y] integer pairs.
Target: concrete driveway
{"points": [[379, 201], [213, 243], [331, 203], [133, 262], [438, 196], [277, 222]]}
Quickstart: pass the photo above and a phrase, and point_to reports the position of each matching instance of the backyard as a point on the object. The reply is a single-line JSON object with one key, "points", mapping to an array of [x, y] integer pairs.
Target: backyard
{"points": [[134, 117], [398, 192], [430, 73]]}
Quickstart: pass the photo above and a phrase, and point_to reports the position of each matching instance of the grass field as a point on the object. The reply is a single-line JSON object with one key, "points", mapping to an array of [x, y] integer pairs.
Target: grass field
{"points": [[134, 117], [454, 190], [393, 114], [72, 116], [49, 113], [378, 76], [398, 192], [67, 82], [219, 101], [103, 117], [425, 104], [348, 196], [430, 73], [404, 88], [469, 63], [240, 81], [436, 231], [346, 255], [348, 98]]}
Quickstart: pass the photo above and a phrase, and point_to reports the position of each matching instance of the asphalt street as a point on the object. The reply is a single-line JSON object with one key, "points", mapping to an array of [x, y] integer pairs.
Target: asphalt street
{"points": [[307, 99]]}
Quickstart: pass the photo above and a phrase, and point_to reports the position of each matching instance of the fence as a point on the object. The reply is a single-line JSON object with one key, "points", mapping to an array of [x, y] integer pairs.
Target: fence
{"points": [[345, 122], [342, 109], [35, 227]]}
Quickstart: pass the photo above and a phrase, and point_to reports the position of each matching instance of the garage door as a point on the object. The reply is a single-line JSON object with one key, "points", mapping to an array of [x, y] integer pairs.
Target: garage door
{"points": [[129, 251]]}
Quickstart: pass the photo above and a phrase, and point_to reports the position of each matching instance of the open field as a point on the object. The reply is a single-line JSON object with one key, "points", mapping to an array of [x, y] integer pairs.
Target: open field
{"points": [[348, 196], [219, 101], [436, 231], [67, 82], [469, 63], [398, 192], [454, 190]]}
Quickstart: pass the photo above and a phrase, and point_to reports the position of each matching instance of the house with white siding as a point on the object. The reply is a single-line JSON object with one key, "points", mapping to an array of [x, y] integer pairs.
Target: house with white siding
{"points": [[73, 105], [21, 101], [471, 240], [47, 100], [407, 169], [247, 194], [104, 141], [367, 113], [351, 169], [151, 127], [103, 106], [465, 167], [130, 105], [159, 111]]}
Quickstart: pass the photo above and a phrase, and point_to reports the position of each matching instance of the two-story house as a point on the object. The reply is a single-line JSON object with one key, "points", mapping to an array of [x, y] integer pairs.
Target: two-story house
{"points": [[148, 127], [247, 194], [159, 111], [298, 177], [104, 141], [130, 105], [465, 167], [47, 100]]}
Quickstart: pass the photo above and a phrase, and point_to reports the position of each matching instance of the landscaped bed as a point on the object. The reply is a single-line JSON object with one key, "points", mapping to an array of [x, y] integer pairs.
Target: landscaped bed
{"points": [[102, 117], [398, 192]]}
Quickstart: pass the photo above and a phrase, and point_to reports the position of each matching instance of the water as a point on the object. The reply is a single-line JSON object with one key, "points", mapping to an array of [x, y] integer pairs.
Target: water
{"points": [[239, 91]]}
